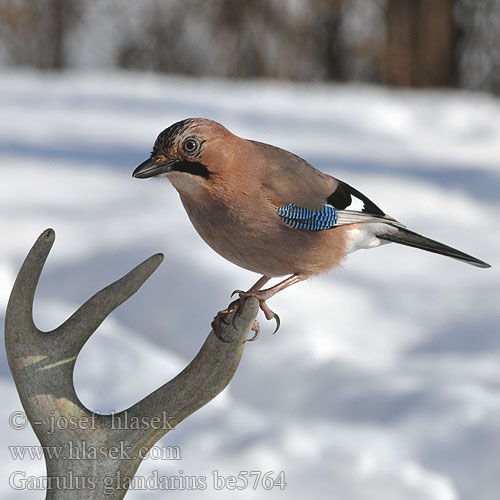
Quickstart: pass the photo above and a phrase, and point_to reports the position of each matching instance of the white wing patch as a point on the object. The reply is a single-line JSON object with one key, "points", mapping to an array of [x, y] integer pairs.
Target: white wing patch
{"points": [[356, 205]]}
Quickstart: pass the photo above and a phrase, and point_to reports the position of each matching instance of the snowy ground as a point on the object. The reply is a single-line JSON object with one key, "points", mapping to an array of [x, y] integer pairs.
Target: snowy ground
{"points": [[384, 380]]}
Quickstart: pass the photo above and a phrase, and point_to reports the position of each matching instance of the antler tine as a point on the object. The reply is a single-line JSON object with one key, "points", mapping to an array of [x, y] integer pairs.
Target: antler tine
{"points": [[19, 315]]}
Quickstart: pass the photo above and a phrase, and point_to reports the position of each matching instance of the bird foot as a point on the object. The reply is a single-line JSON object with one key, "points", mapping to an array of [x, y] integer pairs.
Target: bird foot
{"points": [[261, 296], [221, 318], [256, 330]]}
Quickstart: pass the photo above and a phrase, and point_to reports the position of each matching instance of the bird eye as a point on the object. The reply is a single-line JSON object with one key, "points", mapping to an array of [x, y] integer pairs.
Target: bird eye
{"points": [[190, 146]]}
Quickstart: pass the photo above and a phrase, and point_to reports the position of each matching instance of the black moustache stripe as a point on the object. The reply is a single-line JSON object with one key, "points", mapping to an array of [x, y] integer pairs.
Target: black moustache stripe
{"points": [[191, 167]]}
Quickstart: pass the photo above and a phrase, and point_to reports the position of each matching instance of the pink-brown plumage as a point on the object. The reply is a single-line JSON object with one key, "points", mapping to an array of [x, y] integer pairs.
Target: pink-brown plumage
{"points": [[233, 188]]}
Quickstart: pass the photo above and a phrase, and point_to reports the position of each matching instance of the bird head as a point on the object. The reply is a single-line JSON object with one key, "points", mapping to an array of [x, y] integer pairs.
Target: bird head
{"points": [[189, 153]]}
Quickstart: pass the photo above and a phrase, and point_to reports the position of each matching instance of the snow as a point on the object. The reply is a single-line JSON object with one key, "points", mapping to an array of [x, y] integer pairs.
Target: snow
{"points": [[383, 381]]}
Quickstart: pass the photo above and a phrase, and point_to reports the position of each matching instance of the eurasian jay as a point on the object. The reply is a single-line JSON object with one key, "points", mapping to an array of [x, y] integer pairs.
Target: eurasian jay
{"points": [[268, 210]]}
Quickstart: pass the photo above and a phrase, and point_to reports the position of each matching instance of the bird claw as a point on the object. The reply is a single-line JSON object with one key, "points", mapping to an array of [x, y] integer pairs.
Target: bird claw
{"points": [[278, 323], [237, 306], [216, 326], [221, 318], [256, 330], [270, 315], [263, 306]]}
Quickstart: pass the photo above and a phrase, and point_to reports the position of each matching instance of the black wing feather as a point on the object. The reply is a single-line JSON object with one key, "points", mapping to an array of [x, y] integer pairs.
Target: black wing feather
{"points": [[341, 198]]}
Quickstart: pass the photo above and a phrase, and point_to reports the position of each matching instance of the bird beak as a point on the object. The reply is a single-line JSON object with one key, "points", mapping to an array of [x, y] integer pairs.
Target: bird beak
{"points": [[149, 168]]}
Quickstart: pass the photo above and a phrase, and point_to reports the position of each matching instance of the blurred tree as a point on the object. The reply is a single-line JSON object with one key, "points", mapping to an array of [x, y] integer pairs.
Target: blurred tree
{"points": [[297, 40], [63, 14], [239, 27], [417, 43], [161, 44], [35, 32], [479, 48], [325, 31], [420, 44]]}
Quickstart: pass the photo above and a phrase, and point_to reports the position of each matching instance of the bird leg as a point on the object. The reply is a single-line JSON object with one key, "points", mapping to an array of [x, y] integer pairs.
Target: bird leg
{"points": [[259, 284], [221, 315], [263, 295]]}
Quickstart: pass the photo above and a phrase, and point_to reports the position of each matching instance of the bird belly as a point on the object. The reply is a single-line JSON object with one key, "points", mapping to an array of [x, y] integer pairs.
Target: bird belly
{"points": [[265, 245]]}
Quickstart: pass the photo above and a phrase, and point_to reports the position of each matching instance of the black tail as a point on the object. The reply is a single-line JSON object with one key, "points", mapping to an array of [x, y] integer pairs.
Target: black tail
{"points": [[411, 239]]}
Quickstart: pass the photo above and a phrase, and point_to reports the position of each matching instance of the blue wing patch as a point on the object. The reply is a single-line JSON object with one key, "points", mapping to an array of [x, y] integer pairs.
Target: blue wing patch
{"points": [[306, 219]]}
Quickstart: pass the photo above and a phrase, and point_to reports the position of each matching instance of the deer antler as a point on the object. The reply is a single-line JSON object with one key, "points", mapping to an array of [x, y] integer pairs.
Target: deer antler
{"points": [[42, 364]]}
